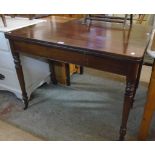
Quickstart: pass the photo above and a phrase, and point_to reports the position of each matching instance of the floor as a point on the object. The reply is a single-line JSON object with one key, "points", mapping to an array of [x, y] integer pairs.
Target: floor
{"points": [[19, 134], [15, 134]]}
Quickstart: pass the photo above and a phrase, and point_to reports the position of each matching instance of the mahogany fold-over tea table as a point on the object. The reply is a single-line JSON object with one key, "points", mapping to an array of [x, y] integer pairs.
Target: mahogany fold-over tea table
{"points": [[104, 46]]}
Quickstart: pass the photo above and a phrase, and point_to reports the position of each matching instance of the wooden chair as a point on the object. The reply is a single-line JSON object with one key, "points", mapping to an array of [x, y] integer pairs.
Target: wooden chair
{"points": [[105, 18]]}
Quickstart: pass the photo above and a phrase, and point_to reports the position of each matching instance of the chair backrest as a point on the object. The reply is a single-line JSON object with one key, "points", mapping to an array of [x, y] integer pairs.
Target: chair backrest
{"points": [[108, 18]]}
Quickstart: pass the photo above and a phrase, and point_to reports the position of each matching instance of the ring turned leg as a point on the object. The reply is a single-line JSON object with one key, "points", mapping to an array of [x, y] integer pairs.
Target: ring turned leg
{"points": [[137, 81], [131, 83], [20, 76], [139, 73], [128, 98]]}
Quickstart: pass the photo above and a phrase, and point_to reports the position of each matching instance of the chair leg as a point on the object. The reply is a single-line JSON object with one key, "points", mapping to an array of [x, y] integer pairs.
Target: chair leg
{"points": [[131, 19], [141, 18], [31, 16], [137, 81], [125, 19], [85, 19]]}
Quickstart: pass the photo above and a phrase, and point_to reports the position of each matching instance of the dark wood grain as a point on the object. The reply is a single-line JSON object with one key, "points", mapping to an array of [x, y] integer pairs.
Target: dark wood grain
{"points": [[108, 47], [100, 39], [20, 75]]}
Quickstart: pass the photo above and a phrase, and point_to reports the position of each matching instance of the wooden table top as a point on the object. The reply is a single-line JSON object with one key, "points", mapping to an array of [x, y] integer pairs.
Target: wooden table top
{"points": [[99, 38]]}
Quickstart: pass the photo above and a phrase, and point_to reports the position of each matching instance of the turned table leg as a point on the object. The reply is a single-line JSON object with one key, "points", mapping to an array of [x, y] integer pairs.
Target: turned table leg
{"points": [[139, 73], [20, 76], [137, 81], [128, 99]]}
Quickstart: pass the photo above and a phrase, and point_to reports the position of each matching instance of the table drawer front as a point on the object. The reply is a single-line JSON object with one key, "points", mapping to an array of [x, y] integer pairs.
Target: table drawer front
{"points": [[4, 44]]}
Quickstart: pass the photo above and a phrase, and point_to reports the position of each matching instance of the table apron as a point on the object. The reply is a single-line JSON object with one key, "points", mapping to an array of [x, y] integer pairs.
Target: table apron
{"points": [[104, 63]]}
